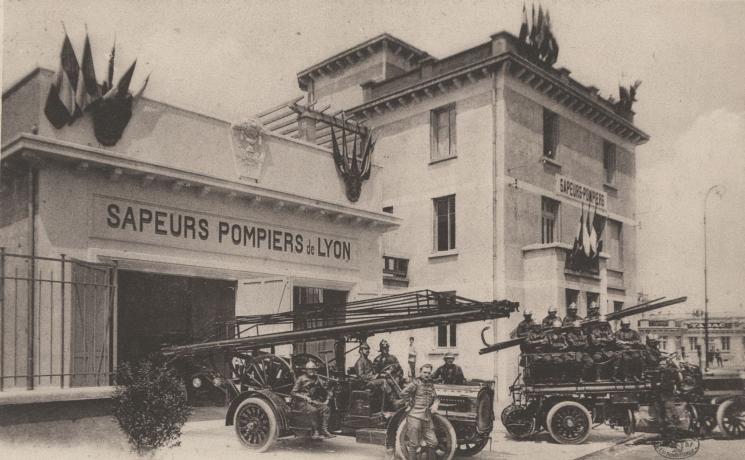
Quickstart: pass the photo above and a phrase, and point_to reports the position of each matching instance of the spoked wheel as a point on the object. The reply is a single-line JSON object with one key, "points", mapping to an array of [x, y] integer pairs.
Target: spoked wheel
{"points": [[568, 422], [255, 424], [518, 421], [446, 439], [471, 447], [731, 418], [629, 425], [267, 371], [701, 425]]}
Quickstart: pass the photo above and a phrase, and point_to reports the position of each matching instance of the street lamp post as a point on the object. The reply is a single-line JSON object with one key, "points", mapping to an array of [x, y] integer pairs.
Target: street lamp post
{"points": [[719, 192]]}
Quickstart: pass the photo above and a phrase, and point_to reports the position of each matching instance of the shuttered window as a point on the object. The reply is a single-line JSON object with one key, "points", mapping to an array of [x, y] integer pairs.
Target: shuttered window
{"points": [[443, 133]]}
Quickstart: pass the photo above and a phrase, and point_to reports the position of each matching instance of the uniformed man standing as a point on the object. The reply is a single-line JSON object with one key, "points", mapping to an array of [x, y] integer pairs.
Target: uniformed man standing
{"points": [[420, 397], [578, 353], [572, 315], [305, 399], [527, 325], [631, 353], [548, 321], [449, 373]]}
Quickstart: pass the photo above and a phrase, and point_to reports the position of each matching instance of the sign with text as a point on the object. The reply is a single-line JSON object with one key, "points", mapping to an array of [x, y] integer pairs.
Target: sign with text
{"points": [[580, 192], [712, 325], [124, 220]]}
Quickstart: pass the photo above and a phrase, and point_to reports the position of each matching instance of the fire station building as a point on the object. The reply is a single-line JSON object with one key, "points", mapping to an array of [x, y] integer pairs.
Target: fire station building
{"points": [[107, 253], [490, 159], [485, 163]]}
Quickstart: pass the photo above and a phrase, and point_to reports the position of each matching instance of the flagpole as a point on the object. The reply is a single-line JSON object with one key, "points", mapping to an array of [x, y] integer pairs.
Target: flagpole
{"points": [[718, 188]]}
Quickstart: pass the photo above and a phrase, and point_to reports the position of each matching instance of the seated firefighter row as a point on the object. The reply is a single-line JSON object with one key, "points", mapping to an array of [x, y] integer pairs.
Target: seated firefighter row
{"points": [[581, 351]]}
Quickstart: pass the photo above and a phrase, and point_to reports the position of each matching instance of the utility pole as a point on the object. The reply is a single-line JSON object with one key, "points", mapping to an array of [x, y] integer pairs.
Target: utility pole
{"points": [[719, 191]]}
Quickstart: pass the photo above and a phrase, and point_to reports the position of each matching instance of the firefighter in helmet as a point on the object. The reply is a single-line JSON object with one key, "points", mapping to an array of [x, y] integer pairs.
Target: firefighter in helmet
{"points": [[449, 373], [572, 315], [527, 325], [385, 360], [630, 355], [310, 397], [558, 347], [548, 321], [580, 360], [602, 346]]}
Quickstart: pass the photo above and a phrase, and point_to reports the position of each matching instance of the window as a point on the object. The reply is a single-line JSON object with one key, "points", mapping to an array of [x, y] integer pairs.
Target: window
{"points": [[617, 306], [444, 223], [447, 334], [592, 297], [388, 209], [443, 133], [550, 133], [614, 244], [549, 217], [663, 343], [395, 266], [571, 295], [725, 343], [693, 343], [609, 161]]}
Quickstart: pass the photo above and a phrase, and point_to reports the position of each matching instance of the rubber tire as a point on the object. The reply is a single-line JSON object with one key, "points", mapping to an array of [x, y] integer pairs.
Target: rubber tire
{"points": [[514, 435], [630, 427], [721, 411], [478, 447], [267, 409], [437, 420], [556, 408]]}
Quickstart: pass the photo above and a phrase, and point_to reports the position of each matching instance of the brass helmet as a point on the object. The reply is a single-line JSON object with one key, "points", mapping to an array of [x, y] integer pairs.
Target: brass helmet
{"points": [[653, 339], [552, 309], [364, 346], [384, 346], [594, 306], [625, 322], [527, 313], [311, 365], [572, 306]]}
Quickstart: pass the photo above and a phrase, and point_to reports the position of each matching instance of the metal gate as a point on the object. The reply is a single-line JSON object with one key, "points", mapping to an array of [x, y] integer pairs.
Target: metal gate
{"points": [[56, 322]]}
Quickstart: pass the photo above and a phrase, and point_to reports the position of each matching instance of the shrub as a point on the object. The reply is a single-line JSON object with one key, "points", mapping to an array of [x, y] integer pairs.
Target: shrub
{"points": [[150, 405]]}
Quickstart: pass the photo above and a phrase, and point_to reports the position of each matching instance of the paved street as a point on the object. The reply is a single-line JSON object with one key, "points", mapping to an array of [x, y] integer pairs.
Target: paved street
{"points": [[206, 437]]}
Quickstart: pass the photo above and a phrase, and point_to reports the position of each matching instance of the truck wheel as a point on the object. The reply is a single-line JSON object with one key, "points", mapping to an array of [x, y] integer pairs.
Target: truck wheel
{"points": [[255, 424], [447, 442], [568, 422], [731, 418], [518, 422]]}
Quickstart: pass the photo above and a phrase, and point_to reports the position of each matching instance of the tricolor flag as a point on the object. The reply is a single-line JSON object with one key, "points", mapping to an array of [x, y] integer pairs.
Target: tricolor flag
{"points": [[87, 89], [60, 105], [524, 27], [586, 234], [122, 87]]}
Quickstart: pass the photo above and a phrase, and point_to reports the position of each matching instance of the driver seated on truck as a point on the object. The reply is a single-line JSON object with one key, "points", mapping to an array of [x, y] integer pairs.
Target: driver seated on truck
{"points": [[307, 387], [449, 373], [386, 360], [366, 373]]}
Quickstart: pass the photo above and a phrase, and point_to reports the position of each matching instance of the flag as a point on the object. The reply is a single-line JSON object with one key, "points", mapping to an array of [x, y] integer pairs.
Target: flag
{"points": [[593, 237], [524, 27], [141, 90], [110, 75], [541, 26], [599, 225], [122, 87], [533, 28], [60, 105], [586, 235], [87, 90]]}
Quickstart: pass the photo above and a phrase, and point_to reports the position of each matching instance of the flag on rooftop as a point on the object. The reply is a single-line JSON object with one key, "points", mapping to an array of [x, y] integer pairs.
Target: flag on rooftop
{"points": [[60, 105]]}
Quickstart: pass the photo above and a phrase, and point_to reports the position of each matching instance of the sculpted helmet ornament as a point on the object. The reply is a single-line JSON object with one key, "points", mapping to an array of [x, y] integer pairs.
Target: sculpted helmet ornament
{"points": [[248, 148]]}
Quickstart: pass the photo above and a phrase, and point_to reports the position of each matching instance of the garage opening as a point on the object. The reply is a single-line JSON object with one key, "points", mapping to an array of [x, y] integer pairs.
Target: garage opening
{"points": [[157, 309]]}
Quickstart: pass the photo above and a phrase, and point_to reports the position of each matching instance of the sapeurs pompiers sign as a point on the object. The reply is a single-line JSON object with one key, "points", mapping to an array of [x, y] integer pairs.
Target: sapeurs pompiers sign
{"points": [[580, 192], [125, 220]]}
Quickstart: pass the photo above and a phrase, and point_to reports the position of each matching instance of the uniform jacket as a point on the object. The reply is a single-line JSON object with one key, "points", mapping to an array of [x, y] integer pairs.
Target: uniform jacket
{"points": [[525, 327], [556, 341], [364, 368], [420, 395], [381, 362], [628, 336], [450, 374], [570, 319], [548, 321], [577, 340], [305, 385]]}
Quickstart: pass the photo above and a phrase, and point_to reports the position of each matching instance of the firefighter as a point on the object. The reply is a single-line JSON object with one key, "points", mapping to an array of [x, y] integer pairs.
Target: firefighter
{"points": [[630, 355], [580, 359], [664, 387], [533, 350], [366, 373], [527, 325], [602, 346], [305, 398], [420, 397], [449, 373], [572, 315], [556, 360], [548, 321], [385, 359], [593, 311]]}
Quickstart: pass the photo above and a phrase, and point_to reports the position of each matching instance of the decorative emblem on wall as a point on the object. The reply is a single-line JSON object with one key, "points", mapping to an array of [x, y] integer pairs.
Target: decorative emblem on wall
{"points": [[75, 91], [354, 168], [249, 150]]}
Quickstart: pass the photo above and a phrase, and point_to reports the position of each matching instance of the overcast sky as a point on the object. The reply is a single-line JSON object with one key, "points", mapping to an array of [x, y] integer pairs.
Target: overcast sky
{"points": [[232, 59]]}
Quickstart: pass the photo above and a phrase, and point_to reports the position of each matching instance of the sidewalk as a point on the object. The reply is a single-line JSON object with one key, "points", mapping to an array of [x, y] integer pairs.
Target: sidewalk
{"points": [[206, 436]]}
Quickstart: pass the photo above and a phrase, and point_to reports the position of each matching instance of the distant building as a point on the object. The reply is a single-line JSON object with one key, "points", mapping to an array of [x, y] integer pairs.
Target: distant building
{"points": [[685, 335]]}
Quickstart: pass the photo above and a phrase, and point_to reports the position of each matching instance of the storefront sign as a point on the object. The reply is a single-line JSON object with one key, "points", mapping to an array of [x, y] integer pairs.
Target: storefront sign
{"points": [[712, 325], [118, 219], [580, 192]]}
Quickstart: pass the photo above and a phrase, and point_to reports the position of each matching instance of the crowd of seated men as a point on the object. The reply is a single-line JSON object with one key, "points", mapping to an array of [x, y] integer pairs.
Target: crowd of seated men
{"points": [[578, 350]]}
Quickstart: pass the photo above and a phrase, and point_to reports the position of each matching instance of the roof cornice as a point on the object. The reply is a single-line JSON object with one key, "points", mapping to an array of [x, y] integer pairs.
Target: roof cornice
{"points": [[33, 148], [557, 87]]}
